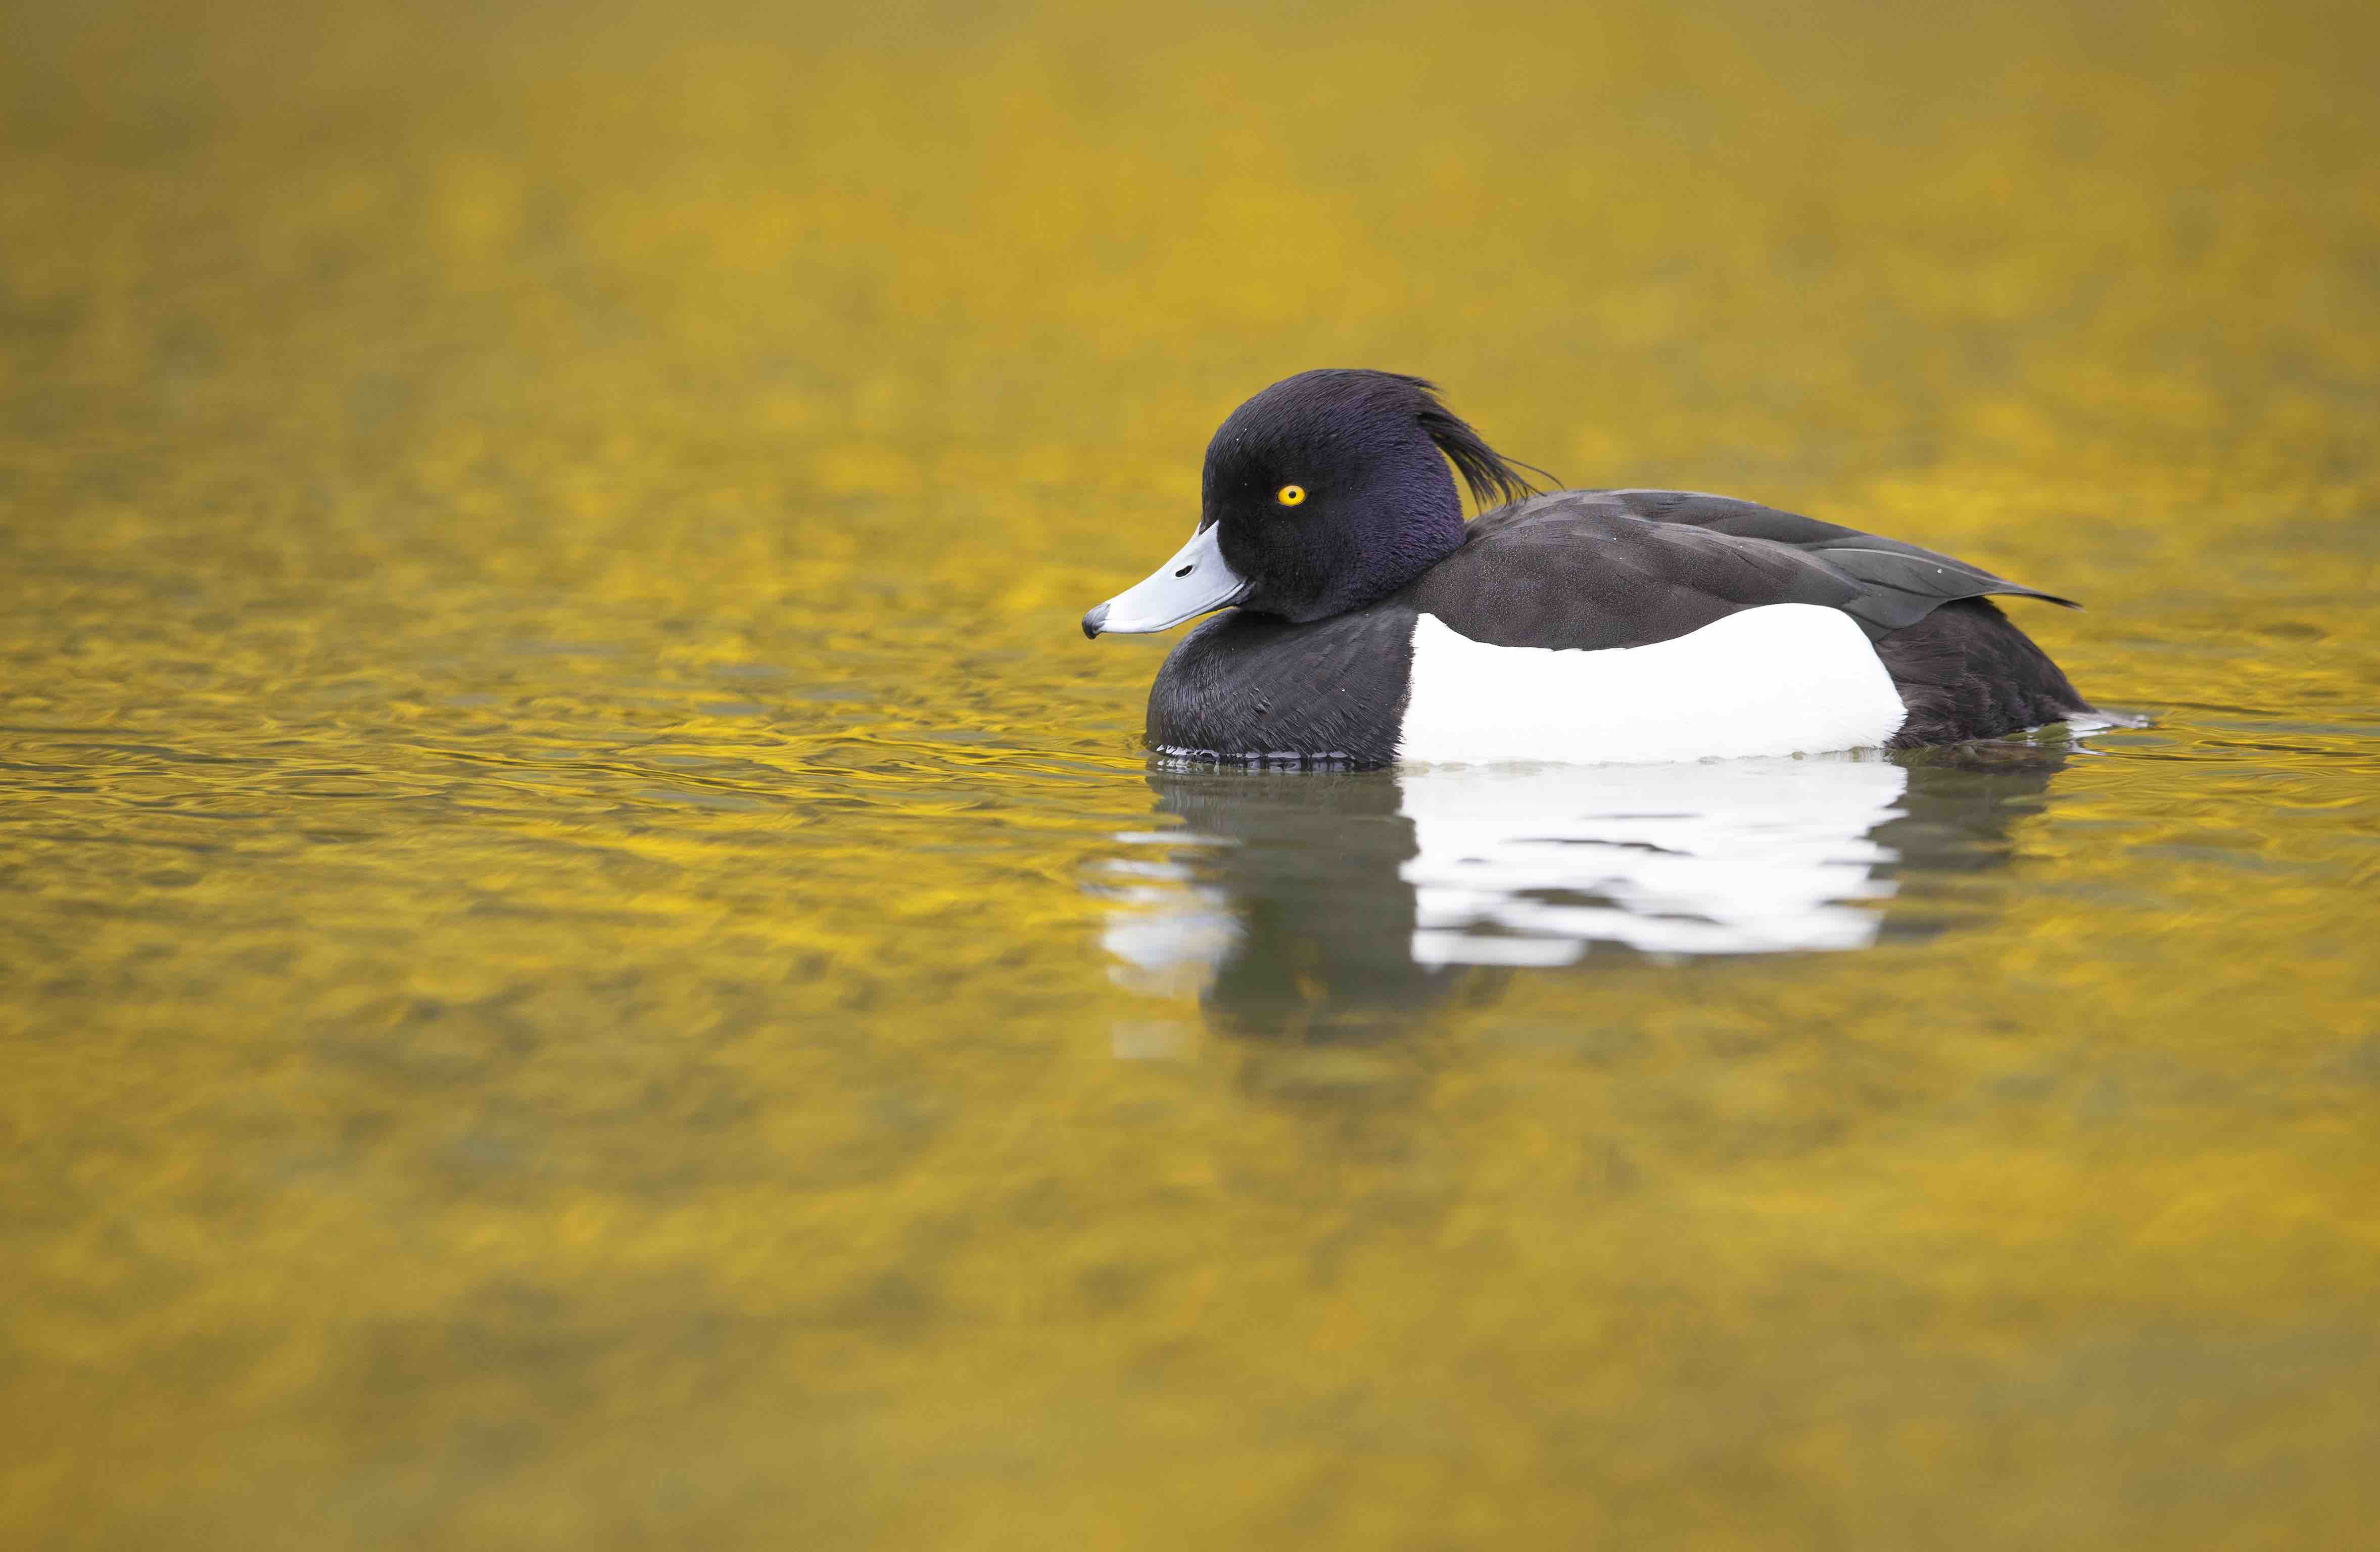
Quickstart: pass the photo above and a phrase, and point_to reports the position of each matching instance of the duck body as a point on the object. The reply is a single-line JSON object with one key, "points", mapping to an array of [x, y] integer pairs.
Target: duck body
{"points": [[1602, 626]]}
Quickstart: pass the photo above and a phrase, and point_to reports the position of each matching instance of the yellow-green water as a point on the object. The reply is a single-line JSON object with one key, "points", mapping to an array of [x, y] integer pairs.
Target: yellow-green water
{"points": [[591, 960]]}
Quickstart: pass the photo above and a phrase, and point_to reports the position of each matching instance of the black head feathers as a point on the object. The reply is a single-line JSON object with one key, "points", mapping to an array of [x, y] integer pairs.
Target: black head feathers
{"points": [[1493, 478], [1365, 408], [1332, 488]]}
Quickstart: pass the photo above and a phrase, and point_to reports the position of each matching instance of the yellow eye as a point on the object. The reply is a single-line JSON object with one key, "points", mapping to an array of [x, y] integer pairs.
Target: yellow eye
{"points": [[1290, 495]]}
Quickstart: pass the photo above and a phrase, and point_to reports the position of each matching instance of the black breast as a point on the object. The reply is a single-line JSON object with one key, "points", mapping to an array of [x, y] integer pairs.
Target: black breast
{"points": [[1247, 688]]}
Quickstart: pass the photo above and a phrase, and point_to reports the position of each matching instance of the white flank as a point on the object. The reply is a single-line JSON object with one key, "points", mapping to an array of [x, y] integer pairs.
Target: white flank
{"points": [[1531, 865], [1782, 679]]}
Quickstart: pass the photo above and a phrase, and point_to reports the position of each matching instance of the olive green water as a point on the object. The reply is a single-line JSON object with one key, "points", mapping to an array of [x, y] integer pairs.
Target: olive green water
{"points": [[591, 960]]}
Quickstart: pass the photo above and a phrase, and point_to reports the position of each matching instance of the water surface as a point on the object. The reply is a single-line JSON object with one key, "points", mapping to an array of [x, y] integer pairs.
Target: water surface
{"points": [[591, 960]]}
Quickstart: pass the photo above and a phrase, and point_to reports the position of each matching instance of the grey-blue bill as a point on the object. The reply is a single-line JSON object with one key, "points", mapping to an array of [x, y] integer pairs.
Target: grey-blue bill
{"points": [[1194, 582]]}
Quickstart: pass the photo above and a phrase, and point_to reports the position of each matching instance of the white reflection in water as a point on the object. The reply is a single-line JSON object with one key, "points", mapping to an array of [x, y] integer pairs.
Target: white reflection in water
{"points": [[1374, 883], [1166, 944], [1727, 856], [1164, 941]]}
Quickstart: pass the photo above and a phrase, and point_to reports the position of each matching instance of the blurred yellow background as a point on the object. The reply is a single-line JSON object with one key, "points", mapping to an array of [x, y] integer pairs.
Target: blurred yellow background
{"points": [[554, 809]]}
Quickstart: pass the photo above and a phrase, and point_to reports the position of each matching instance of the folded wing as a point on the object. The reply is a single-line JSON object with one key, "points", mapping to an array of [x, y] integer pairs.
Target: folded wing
{"points": [[1595, 569], [1900, 584]]}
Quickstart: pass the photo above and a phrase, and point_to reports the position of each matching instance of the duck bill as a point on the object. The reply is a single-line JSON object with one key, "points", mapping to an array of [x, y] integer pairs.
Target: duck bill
{"points": [[1193, 582]]}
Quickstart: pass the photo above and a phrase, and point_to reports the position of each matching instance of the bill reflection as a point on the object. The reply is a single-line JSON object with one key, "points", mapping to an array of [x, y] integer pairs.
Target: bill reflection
{"points": [[1292, 903]]}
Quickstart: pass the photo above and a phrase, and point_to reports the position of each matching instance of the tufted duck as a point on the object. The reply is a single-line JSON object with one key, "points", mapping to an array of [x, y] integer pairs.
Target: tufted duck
{"points": [[1370, 624]]}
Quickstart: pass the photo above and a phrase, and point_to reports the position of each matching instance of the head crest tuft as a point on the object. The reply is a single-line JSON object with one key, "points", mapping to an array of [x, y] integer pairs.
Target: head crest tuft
{"points": [[1493, 478]]}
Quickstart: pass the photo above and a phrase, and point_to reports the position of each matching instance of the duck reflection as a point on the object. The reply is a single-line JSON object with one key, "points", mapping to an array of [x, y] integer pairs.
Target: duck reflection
{"points": [[1302, 903]]}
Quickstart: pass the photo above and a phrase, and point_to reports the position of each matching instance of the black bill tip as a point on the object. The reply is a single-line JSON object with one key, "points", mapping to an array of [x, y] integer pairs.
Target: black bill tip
{"points": [[1095, 622]]}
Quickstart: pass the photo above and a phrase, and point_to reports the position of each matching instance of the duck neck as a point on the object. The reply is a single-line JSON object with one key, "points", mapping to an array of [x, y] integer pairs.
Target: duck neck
{"points": [[1432, 513], [1419, 546]]}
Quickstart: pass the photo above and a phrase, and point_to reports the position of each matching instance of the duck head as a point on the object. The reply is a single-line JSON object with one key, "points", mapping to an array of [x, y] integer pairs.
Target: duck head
{"points": [[1324, 492]]}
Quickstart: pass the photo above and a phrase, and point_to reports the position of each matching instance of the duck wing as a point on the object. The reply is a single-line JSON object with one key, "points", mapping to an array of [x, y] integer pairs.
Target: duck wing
{"points": [[1595, 569], [1900, 584]]}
